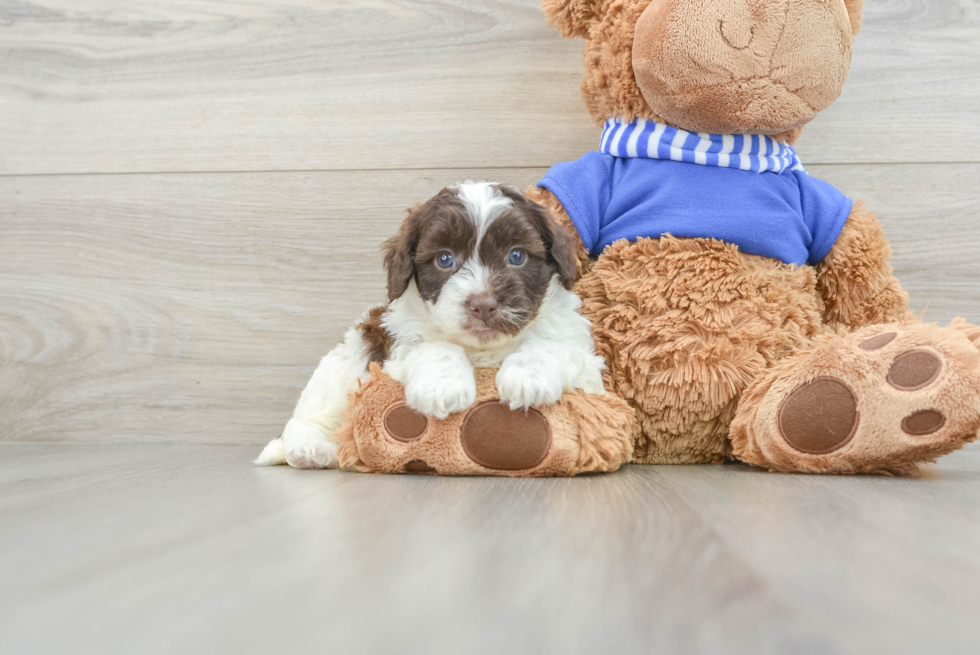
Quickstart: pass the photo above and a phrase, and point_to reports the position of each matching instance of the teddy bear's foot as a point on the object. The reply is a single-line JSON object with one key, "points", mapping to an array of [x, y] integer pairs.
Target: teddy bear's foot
{"points": [[881, 400], [491, 435], [580, 433]]}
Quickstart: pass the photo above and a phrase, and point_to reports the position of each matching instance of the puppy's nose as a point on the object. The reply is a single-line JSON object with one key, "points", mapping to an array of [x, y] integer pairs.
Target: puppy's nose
{"points": [[482, 307]]}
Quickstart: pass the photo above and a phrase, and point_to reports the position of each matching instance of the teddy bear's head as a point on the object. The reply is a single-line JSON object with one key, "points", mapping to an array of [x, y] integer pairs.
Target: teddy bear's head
{"points": [[716, 66]]}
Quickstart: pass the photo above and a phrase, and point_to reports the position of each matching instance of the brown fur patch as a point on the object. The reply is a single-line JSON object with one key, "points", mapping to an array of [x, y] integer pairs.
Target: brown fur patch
{"points": [[437, 226], [545, 198], [518, 290], [399, 253], [377, 341], [560, 244]]}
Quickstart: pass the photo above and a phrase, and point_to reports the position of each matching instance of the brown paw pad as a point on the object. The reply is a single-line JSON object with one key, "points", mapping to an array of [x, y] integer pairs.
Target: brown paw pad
{"points": [[418, 466], [819, 417], [922, 423], [878, 342], [914, 370], [497, 437], [404, 424]]}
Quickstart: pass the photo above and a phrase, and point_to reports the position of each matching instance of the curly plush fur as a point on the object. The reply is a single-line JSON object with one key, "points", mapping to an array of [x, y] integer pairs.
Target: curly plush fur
{"points": [[713, 347]]}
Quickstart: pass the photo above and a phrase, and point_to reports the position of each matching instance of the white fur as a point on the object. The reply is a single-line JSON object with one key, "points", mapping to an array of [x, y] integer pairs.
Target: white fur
{"points": [[483, 203], [433, 355], [446, 316], [556, 355], [305, 441], [438, 377]]}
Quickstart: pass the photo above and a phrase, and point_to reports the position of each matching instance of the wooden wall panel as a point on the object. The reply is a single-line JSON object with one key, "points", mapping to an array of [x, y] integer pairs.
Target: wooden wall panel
{"points": [[198, 85], [193, 307]]}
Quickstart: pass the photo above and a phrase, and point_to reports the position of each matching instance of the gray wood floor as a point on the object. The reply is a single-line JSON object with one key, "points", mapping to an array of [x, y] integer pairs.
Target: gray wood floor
{"points": [[192, 194], [170, 548]]}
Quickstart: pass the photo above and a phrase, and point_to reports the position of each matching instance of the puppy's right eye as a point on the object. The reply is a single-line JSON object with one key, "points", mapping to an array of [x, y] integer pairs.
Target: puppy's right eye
{"points": [[445, 260]]}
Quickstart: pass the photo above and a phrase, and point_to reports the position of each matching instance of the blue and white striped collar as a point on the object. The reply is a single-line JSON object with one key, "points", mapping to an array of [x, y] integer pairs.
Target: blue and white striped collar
{"points": [[748, 152]]}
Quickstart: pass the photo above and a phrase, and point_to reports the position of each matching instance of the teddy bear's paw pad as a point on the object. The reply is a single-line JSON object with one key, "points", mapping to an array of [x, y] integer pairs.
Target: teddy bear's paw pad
{"points": [[914, 370], [819, 417], [419, 466], [402, 423], [922, 423], [499, 438], [878, 342]]}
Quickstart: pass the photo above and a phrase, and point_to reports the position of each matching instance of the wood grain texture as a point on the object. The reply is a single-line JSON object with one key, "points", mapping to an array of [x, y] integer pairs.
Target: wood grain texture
{"points": [[930, 215], [184, 307], [188, 549], [193, 308], [199, 85]]}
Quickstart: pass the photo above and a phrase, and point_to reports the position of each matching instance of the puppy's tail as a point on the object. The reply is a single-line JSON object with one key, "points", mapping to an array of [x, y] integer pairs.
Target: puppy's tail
{"points": [[273, 454]]}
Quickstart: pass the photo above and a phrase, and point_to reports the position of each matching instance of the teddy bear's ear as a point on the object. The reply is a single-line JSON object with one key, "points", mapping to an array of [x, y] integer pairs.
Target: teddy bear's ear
{"points": [[854, 8], [573, 17]]}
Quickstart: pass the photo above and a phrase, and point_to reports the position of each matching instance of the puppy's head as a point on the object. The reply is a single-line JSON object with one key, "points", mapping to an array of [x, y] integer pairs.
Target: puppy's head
{"points": [[482, 257]]}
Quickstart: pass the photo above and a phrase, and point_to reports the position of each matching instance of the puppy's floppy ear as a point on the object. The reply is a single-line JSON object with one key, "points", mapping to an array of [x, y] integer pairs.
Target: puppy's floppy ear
{"points": [[572, 17], [399, 253], [559, 241]]}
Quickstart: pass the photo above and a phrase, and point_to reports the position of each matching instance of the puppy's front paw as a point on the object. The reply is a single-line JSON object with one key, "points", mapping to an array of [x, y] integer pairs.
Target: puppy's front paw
{"points": [[529, 380], [306, 446], [304, 454], [438, 394]]}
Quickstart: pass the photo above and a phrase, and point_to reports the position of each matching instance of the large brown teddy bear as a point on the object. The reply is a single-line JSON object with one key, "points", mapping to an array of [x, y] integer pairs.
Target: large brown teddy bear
{"points": [[745, 309]]}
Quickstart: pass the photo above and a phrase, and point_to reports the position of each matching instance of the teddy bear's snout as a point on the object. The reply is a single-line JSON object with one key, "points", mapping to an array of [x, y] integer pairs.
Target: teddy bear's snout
{"points": [[737, 35]]}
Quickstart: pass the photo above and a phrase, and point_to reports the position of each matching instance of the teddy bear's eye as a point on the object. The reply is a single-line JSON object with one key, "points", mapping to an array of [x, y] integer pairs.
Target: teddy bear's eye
{"points": [[445, 260], [517, 257]]}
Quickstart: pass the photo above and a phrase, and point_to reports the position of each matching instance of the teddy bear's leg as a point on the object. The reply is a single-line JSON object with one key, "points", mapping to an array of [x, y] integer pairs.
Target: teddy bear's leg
{"points": [[685, 326], [880, 400], [581, 432]]}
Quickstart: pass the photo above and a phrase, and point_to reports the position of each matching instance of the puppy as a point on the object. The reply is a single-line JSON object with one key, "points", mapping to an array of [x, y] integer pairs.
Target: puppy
{"points": [[478, 276]]}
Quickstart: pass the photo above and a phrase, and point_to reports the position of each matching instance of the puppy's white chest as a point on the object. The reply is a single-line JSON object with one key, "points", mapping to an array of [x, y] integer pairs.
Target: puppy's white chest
{"points": [[488, 359]]}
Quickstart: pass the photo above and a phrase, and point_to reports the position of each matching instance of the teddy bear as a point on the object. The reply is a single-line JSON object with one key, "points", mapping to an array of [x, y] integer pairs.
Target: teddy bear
{"points": [[745, 309]]}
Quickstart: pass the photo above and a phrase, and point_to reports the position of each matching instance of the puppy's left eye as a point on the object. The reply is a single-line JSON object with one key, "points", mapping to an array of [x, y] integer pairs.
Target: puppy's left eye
{"points": [[516, 257]]}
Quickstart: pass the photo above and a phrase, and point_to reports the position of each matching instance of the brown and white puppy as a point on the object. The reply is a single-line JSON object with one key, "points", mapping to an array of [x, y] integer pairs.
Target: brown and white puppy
{"points": [[477, 276]]}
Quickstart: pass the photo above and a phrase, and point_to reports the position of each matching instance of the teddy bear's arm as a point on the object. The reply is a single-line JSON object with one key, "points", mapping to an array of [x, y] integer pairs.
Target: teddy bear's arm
{"points": [[855, 279], [542, 196]]}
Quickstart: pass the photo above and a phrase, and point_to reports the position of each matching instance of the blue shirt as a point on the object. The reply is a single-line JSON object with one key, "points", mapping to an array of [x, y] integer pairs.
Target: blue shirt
{"points": [[786, 215]]}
